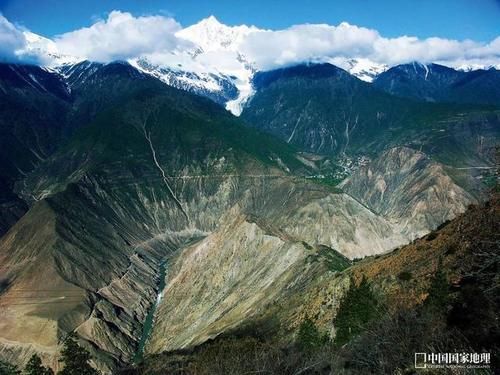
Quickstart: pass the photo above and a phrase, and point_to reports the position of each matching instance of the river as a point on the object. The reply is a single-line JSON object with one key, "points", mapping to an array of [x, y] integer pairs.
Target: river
{"points": [[148, 323]]}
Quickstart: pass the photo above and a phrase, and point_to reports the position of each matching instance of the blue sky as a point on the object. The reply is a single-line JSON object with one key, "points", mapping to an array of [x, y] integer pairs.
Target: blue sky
{"points": [[457, 19]]}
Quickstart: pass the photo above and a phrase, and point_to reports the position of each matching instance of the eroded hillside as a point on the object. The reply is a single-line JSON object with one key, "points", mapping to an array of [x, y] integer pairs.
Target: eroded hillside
{"points": [[438, 292]]}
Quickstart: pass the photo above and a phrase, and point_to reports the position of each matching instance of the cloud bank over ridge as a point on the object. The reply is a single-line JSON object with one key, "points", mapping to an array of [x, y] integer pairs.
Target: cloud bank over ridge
{"points": [[122, 36]]}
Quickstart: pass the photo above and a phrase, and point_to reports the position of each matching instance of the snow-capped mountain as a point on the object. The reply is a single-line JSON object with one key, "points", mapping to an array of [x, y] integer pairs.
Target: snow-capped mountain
{"points": [[212, 36], [46, 51], [212, 67], [472, 67], [214, 85], [364, 69], [219, 46], [211, 63]]}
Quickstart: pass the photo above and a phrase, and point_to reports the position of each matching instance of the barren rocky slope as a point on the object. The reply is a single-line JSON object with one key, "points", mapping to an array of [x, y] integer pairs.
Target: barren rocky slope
{"points": [[406, 187], [439, 291]]}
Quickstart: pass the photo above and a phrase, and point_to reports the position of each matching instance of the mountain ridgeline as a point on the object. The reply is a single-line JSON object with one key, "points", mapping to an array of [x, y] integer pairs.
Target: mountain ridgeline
{"points": [[33, 106], [437, 83], [40, 110], [323, 109], [127, 203]]}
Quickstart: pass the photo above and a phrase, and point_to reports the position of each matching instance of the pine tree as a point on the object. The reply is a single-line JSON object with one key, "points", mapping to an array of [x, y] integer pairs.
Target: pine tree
{"points": [[309, 337], [438, 297], [76, 359], [34, 367], [8, 369], [358, 307]]}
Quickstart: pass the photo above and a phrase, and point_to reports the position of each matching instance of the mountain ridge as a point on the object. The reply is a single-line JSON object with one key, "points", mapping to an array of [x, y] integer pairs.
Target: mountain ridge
{"points": [[229, 81], [438, 83], [323, 109]]}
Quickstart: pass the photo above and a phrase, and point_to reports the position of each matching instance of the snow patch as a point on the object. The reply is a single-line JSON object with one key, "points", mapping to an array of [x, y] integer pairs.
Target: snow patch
{"points": [[364, 69]]}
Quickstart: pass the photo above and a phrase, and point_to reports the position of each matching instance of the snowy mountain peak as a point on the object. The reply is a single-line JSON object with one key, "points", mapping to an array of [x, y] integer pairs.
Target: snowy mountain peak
{"points": [[218, 49], [364, 69], [471, 67], [211, 21], [213, 63], [37, 41], [211, 35], [46, 50]]}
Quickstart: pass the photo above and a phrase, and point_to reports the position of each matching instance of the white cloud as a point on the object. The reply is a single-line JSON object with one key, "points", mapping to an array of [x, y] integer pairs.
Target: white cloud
{"points": [[307, 42], [212, 47], [122, 36], [271, 49], [12, 41]]}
